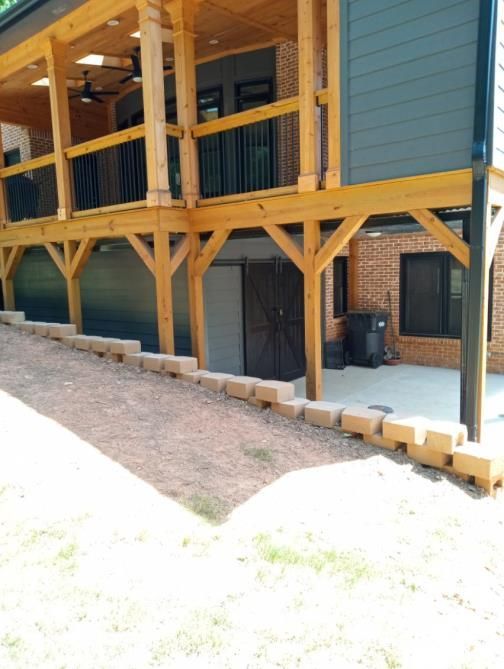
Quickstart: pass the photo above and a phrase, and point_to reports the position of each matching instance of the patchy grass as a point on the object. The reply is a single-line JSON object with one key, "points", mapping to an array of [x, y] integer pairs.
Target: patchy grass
{"points": [[212, 509], [261, 454], [350, 565]]}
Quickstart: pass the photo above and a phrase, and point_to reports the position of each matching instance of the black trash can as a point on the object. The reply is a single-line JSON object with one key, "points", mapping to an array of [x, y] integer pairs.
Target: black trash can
{"points": [[366, 337]]}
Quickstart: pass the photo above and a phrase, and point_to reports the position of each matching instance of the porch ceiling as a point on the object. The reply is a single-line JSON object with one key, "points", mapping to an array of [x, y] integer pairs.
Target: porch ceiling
{"points": [[236, 26]]}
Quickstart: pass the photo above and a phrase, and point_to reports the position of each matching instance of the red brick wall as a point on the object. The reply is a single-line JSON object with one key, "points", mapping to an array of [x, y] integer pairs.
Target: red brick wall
{"points": [[378, 270]]}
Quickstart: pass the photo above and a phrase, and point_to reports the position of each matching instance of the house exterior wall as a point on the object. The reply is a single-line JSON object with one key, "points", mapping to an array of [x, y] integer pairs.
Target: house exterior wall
{"points": [[408, 87], [378, 271]]}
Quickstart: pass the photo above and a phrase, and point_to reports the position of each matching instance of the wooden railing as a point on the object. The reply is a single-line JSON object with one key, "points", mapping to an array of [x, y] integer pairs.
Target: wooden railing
{"points": [[110, 172], [252, 152], [30, 189]]}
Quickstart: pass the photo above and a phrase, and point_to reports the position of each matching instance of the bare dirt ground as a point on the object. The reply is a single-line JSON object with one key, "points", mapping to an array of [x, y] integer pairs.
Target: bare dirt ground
{"points": [[148, 523]]}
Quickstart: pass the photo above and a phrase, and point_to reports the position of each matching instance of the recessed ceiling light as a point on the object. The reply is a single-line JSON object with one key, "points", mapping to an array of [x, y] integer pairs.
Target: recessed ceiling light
{"points": [[213, 42], [113, 22], [98, 88], [32, 66], [169, 59]]}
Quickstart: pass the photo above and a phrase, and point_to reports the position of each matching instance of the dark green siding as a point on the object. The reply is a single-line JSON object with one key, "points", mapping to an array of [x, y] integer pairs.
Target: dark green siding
{"points": [[40, 289], [408, 73], [119, 299]]}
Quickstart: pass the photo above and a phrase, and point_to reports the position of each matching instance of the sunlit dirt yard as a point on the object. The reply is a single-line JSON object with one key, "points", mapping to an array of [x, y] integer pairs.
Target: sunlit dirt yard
{"points": [[148, 523]]}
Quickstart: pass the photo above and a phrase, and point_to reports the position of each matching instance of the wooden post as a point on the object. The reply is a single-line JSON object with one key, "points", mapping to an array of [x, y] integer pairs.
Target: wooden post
{"points": [[196, 303], [158, 186], [182, 13], [73, 286], [310, 80], [7, 284], [333, 174], [312, 304], [164, 292], [55, 54]]}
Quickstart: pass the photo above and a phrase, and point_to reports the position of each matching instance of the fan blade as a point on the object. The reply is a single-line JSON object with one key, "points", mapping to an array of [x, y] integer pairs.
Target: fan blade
{"points": [[125, 79], [101, 93], [167, 67], [96, 98], [112, 67]]}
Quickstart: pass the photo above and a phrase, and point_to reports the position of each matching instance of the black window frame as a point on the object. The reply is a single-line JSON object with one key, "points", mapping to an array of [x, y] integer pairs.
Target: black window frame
{"points": [[446, 263], [342, 261], [12, 157]]}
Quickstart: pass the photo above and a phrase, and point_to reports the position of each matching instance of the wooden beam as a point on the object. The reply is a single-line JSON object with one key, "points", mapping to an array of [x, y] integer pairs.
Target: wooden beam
{"points": [[105, 142], [180, 253], [144, 252], [7, 284], [312, 315], [12, 263], [494, 233], [353, 271], [27, 165], [158, 186], [333, 174], [113, 225], [73, 286], [445, 235], [248, 117], [288, 245], [57, 256], [210, 250], [449, 189], [339, 238], [68, 29], [310, 80], [55, 54], [196, 303], [164, 298], [80, 258], [182, 13]]}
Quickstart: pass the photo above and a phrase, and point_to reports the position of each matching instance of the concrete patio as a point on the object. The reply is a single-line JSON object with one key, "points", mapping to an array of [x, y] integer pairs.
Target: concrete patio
{"points": [[427, 391]]}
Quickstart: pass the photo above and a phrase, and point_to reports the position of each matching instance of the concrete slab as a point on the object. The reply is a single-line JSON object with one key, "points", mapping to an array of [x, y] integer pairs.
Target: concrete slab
{"points": [[411, 389]]}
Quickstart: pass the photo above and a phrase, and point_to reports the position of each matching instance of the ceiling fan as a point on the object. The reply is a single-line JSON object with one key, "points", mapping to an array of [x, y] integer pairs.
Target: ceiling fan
{"points": [[87, 94], [135, 72]]}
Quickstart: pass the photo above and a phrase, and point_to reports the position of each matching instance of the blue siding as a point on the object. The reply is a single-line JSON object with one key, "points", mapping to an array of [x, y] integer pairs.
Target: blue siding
{"points": [[408, 73], [119, 299]]}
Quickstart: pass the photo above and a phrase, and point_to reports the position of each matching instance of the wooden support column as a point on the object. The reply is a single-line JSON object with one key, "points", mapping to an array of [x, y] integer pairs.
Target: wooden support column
{"points": [[9, 262], [164, 292], [310, 80], [158, 186], [55, 54], [333, 174], [182, 14], [312, 304], [7, 284], [196, 302], [76, 256]]}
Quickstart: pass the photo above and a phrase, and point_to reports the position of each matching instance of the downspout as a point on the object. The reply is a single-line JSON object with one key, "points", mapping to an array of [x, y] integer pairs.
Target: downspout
{"points": [[474, 232]]}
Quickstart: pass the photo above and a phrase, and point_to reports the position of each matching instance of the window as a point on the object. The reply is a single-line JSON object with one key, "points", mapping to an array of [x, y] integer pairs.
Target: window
{"points": [[340, 286], [12, 157], [431, 295]]}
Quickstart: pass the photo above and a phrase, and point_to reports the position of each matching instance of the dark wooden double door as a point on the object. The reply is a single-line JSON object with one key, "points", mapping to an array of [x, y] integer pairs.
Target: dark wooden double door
{"points": [[274, 320]]}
